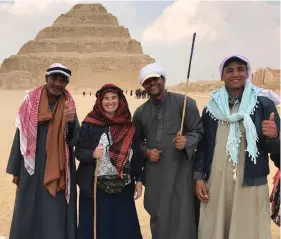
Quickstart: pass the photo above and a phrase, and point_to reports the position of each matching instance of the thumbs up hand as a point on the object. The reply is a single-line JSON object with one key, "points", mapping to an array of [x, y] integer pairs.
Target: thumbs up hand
{"points": [[68, 113], [269, 127]]}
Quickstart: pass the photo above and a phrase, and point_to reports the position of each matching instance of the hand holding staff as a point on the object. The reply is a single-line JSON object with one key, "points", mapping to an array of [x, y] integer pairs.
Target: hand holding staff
{"points": [[97, 155]]}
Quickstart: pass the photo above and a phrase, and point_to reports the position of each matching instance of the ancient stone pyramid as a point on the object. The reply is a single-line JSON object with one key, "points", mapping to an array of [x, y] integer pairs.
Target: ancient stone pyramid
{"points": [[89, 41]]}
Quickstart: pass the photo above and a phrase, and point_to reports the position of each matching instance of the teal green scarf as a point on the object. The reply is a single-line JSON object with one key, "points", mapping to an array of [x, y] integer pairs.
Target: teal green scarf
{"points": [[218, 108]]}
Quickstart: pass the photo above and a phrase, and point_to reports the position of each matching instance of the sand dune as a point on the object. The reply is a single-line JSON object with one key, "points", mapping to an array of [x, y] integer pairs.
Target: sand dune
{"points": [[9, 103]]}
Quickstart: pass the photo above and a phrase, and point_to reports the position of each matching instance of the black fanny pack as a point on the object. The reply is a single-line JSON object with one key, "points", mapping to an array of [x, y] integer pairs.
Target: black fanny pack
{"points": [[113, 184]]}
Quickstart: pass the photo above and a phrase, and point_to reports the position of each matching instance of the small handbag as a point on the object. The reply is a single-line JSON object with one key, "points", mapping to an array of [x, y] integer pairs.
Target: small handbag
{"points": [[112, 184]]}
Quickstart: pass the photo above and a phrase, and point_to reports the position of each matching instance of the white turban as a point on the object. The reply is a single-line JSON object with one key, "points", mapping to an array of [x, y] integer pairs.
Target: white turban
{"points": [[266, 93], [151, 70]]}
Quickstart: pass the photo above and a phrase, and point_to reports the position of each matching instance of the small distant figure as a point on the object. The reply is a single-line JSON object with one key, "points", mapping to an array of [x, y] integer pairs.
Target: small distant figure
{"points": [[131, 93], [126, 92], [143, 94], [84, 93], [138, 93], [90, 93]]}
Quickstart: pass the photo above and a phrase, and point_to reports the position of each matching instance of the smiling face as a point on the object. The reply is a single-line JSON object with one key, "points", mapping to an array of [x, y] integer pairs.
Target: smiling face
{"points": [[56, 84], [110, 103], [235, 75], [154, 86]]}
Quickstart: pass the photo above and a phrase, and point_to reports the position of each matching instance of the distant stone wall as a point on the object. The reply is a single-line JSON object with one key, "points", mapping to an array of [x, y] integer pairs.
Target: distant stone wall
{"points": [[198, 87]]}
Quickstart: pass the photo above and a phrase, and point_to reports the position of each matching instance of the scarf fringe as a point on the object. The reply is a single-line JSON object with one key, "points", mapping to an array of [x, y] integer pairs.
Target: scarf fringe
{"points": [[230, 144], [235, 171]]}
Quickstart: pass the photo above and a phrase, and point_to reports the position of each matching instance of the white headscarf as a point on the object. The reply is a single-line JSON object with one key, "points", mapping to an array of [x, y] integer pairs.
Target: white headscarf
{"points": [[151, 70], [266, 93]]}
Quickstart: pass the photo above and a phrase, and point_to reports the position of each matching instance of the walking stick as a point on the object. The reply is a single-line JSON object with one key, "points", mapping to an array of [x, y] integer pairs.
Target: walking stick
{"points": [[188, 74], [95, 197]]}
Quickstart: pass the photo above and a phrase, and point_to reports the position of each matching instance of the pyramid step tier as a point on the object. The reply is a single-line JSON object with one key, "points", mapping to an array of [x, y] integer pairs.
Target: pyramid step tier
{"points": [[38, 64], [84, 78], [86, 19], [83, 30], [85, 45], [88, 8], [17, 80]]}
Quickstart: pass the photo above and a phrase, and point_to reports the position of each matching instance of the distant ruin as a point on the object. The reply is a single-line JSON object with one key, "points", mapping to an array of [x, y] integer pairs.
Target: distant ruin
{"points": [[86, 39], [267, 78]]}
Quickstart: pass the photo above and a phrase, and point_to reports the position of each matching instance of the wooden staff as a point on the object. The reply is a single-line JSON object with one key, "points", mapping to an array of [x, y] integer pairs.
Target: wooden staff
{"points": [[95, 197], [183, 114], [188, 74]]}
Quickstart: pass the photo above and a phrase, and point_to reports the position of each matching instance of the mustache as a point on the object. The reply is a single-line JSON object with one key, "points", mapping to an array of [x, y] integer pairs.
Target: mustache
{"points": [[58, 88]]}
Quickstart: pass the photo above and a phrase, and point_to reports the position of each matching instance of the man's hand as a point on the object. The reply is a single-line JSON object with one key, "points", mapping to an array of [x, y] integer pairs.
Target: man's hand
{"points": [[153, 155], [180, 142], [201, 191], [68, 113], [269, 127], [16, 180], [138, 190]]}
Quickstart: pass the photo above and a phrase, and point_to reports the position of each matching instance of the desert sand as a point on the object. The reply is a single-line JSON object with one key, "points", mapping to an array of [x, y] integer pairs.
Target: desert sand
{"points": [[9, 103]]}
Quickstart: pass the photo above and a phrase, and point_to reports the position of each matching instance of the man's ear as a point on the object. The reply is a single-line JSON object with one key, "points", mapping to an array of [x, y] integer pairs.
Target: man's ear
{"points": [[222, 76]]}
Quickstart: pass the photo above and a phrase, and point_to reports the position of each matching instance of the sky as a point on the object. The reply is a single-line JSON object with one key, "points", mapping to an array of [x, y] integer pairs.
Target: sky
{"points": [[165, 30]]}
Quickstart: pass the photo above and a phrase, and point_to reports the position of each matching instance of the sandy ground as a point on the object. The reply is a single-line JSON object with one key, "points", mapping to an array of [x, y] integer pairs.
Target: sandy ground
{"points": [[9, 103]]}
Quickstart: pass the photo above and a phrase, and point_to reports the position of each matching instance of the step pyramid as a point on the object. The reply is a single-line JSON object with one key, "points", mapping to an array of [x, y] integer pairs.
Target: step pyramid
{"points": [[89, 41]]}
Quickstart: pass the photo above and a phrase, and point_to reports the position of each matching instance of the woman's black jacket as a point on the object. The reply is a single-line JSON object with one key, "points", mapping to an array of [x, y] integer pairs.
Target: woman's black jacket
{"points": [[89, 139]]}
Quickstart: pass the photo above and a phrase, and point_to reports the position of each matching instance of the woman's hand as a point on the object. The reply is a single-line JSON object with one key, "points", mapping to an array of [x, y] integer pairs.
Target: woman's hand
{"points": [[98, 153], [138, 190]]}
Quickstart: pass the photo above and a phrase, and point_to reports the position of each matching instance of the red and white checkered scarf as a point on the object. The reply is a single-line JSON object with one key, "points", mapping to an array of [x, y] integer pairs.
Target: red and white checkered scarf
{"points": [[27, 123]]}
